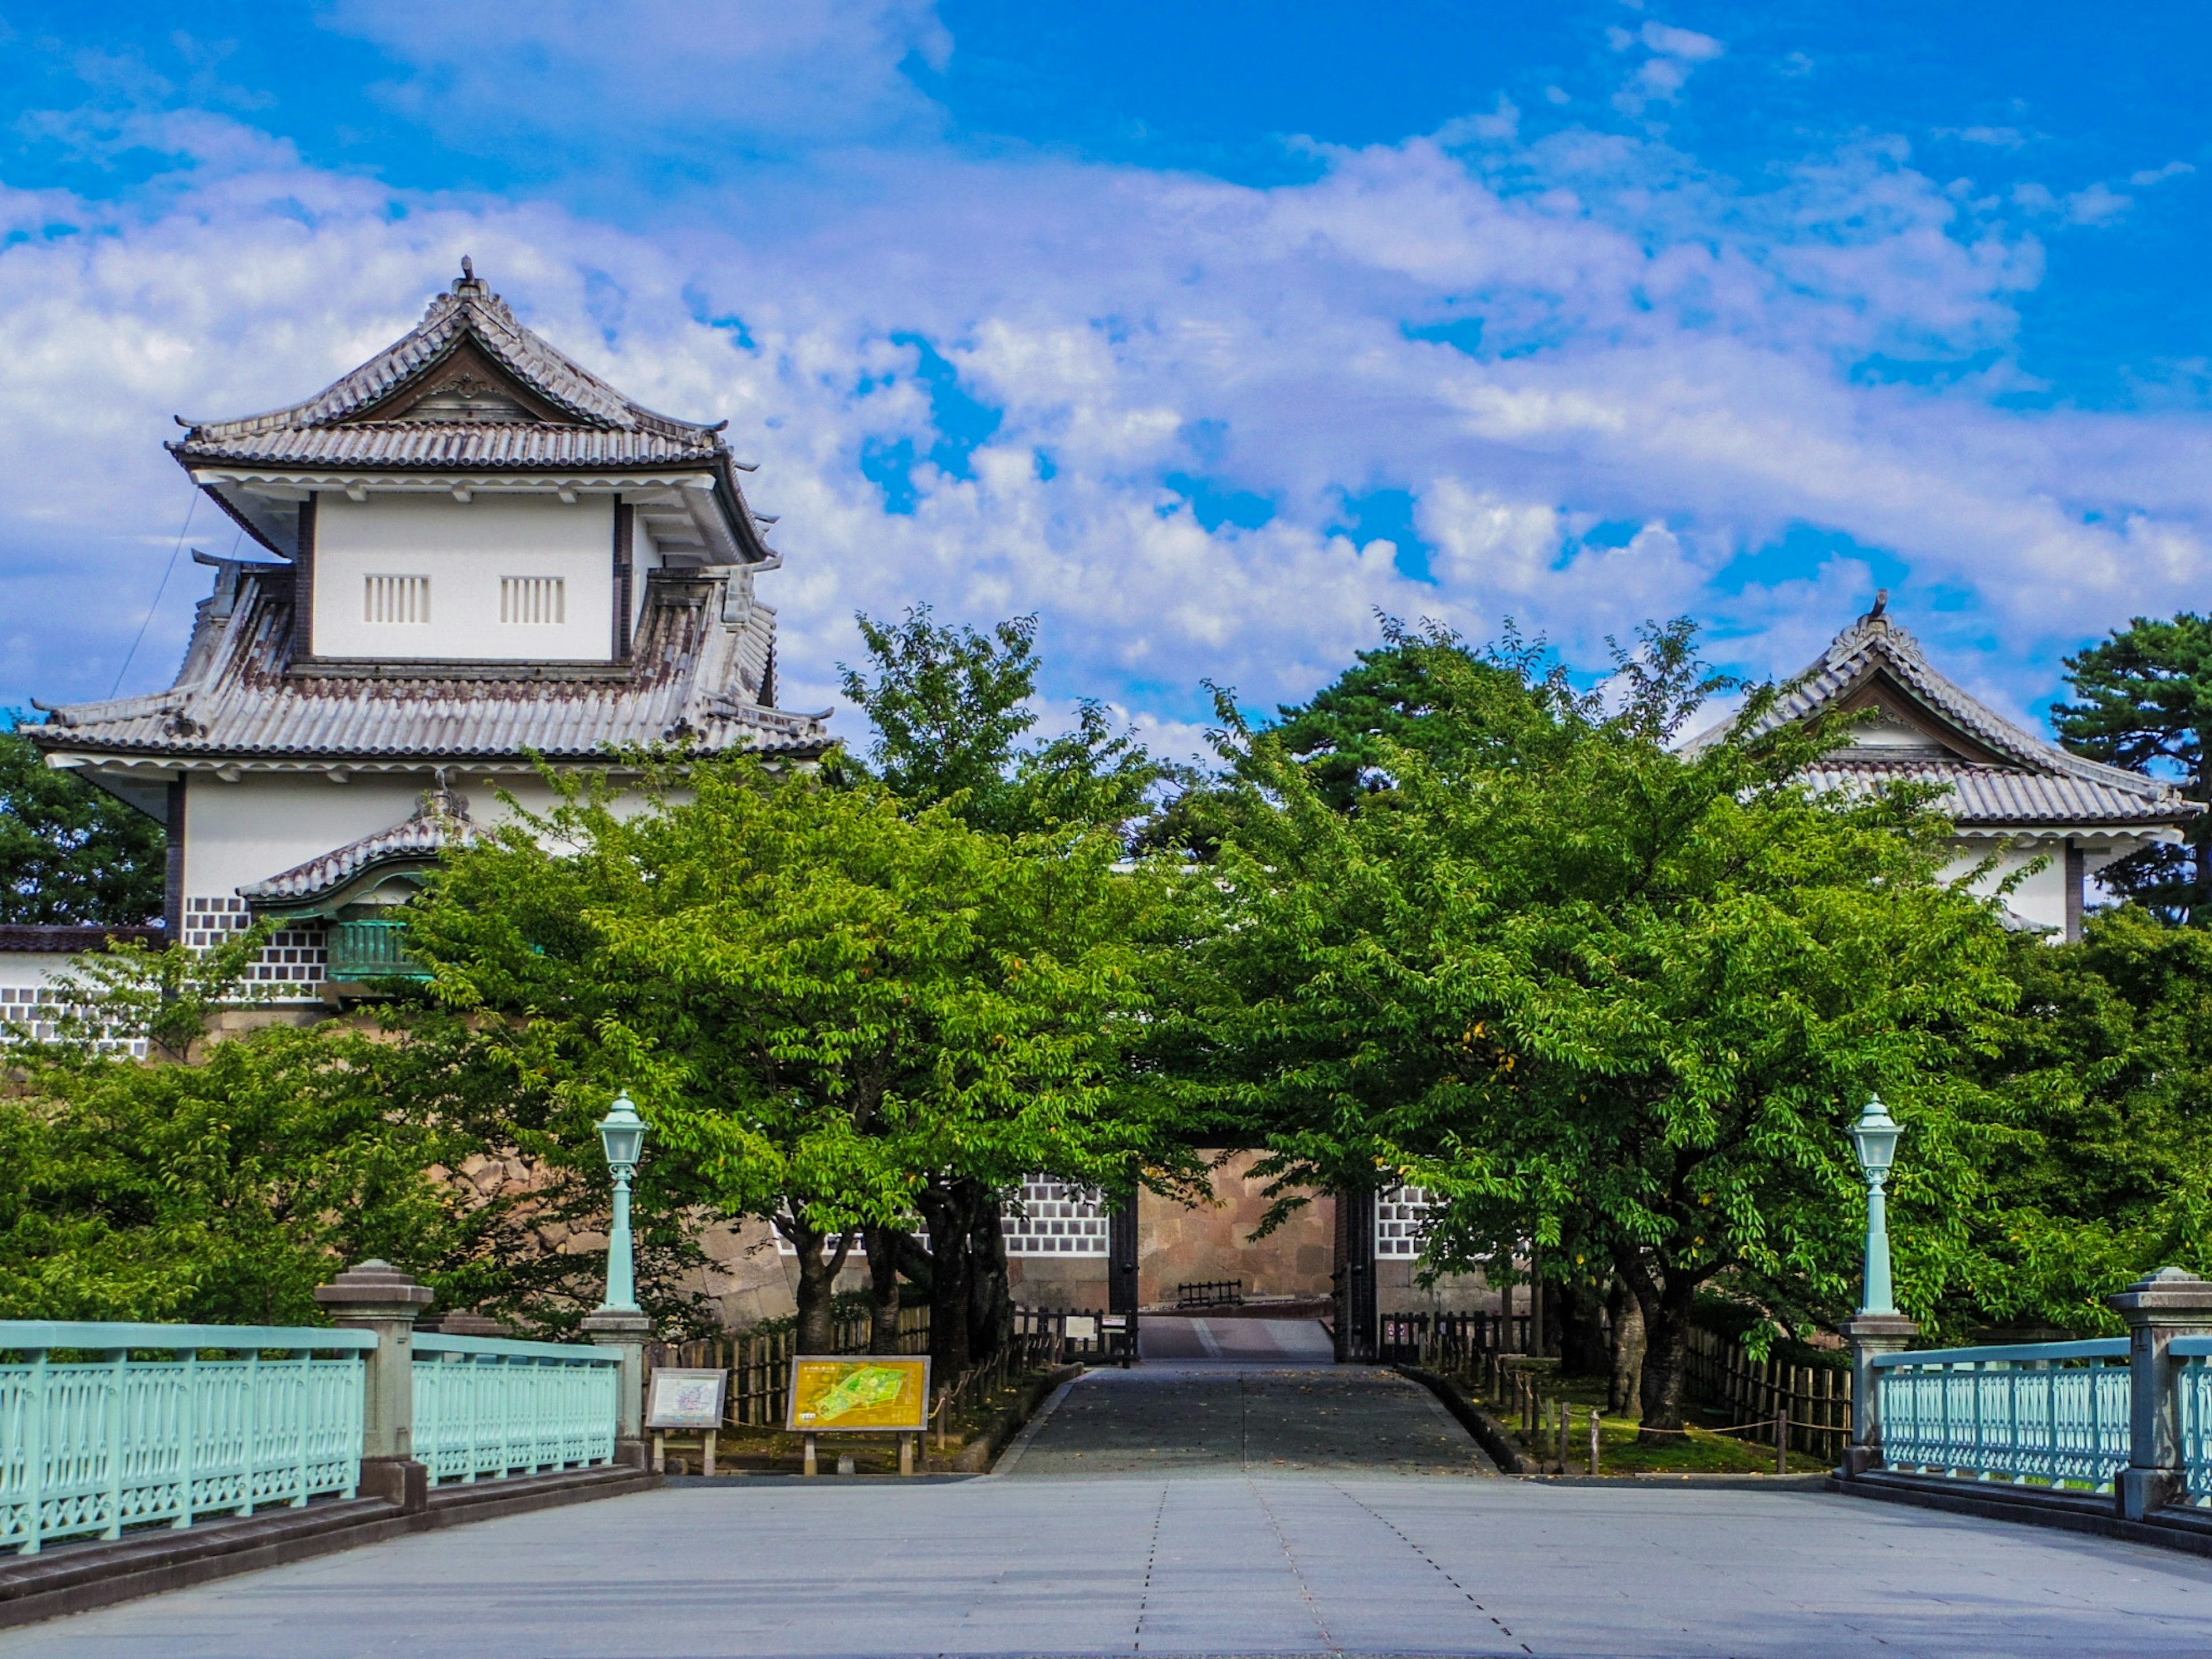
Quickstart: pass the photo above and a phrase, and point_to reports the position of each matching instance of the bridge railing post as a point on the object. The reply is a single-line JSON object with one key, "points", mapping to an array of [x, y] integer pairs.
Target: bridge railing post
{"points": [[379, 1297], [1870, 1334], [2158, 1307]]}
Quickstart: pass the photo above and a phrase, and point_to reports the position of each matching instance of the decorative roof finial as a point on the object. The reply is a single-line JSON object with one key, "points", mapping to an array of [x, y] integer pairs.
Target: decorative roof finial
{"points": [[468, 268], [1880, 604]]}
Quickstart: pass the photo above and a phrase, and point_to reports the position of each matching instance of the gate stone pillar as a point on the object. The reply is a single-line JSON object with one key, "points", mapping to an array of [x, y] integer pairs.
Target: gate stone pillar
{"points": [[380, 1298], [2159, 1307], [1870, 1334], [625, 1330]]}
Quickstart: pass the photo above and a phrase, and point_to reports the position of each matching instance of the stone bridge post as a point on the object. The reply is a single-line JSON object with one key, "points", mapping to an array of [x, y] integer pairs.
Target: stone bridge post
{"points": [[1870, 1334], [380, 1298], [2158, 1307]]}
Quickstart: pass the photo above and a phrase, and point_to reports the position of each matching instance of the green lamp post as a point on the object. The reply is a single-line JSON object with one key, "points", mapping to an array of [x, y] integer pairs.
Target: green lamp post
{"points": [[622, 1134], [1874, 1139]]}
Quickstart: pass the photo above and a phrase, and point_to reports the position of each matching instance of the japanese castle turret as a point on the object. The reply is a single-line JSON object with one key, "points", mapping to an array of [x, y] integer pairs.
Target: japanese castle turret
{"points": [[2009, 794], [479, 555]]}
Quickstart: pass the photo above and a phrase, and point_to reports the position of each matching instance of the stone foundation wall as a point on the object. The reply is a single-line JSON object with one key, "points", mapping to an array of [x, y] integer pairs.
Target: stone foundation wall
{"points": [[1179, 1244]]}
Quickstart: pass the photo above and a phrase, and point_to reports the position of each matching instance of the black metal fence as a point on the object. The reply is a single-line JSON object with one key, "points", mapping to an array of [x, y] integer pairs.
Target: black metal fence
{"points": [[1211, 1293]]}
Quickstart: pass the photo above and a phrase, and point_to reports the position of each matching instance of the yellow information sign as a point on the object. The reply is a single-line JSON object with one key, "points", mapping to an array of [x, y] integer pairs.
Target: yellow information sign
{"points": [[876, 1393]]}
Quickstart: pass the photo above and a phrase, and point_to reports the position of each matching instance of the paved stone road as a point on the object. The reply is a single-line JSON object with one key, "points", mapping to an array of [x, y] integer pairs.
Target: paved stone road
{"points": [[1217, 1555], [1167, 1417]]}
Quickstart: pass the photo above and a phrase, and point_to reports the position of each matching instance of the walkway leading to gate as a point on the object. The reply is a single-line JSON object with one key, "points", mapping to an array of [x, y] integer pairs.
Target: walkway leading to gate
{"points": [[1249, 1509], [1242, 1395]]}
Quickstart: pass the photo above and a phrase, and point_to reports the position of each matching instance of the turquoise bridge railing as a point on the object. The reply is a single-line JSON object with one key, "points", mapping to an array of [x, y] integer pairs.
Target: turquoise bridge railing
{"points": [[2052, 1414], [486, 1405], [2193, 1380], [118, 1438]]}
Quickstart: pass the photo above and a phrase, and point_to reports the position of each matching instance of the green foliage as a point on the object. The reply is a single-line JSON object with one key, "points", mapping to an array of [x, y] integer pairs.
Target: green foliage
{"points": [[223, 1191], [1613, 998], [830, 1007], [280, 1156], [2106, 1065], [70, 852], [950, 705], [2143, 701], [1346, 736]]}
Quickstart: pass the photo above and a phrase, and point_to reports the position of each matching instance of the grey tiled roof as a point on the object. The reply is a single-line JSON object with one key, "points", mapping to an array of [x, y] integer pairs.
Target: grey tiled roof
{"points": [[2021, 778], [451, 445], [701, 668], [595, 424], [441, 821], [1997, 795]]}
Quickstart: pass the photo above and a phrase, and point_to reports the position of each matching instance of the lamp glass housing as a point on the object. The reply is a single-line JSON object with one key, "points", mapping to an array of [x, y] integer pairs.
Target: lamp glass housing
{"points": [[622, 1133], [1874, 1139]]}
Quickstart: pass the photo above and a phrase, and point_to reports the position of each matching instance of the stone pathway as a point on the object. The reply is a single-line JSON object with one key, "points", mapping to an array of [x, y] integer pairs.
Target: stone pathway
{"points": [[1162, 1418], [1209, 1563], [1241, 1514]]}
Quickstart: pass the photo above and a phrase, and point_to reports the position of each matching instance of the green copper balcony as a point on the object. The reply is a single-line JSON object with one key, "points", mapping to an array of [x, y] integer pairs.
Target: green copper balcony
{"points": [[371, 949]]}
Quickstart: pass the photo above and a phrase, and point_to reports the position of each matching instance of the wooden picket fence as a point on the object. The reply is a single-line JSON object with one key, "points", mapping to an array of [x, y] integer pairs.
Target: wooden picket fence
{"points": [[759, 1363], [1816, 1398], [1456, 1343]]}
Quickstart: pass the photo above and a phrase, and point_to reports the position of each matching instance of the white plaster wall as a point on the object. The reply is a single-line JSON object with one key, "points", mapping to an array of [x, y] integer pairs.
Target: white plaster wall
{"points": [[2040, 898], [266, 823], [465, 547], [19, 969]]}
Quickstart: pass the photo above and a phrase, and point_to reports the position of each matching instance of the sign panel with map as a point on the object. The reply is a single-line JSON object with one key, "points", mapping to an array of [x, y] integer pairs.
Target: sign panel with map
{"points": [[874, 1392]]}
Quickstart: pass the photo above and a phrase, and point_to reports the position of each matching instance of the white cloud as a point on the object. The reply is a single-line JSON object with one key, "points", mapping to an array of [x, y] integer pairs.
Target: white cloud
{"points": [[1675, 53], [2149, 176], [1656, 349]]}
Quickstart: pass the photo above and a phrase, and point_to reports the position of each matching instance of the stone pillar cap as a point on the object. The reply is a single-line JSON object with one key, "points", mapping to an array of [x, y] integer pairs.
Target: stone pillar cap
{"points": [[618, 1322], [373, 1284], [2170, 1290], [1881, 1325]]}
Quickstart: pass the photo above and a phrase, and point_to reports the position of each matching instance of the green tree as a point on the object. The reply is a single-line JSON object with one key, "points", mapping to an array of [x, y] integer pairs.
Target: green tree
{"points": [[2106, 1067], [70, 853], [223, 1180], [2143, 700], [838, 1013], [949, 707], [223, 1191], [1602, 996]]}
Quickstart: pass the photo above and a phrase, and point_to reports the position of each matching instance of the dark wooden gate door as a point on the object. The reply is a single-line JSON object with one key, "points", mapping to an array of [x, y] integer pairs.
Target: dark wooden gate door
{"points": [[1355, 1278], [1122, 1257]]}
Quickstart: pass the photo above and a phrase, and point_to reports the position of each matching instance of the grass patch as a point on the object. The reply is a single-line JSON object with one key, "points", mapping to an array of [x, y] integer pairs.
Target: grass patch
{"points": [[1700, 1451]]}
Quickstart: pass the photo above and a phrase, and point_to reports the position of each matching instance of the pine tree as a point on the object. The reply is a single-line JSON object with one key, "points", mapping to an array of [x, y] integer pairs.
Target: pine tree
{"points": [[2143, 701]]}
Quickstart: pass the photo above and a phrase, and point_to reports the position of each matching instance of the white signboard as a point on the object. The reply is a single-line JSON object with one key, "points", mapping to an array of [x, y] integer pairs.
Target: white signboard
{"points": [[684, 1399]]}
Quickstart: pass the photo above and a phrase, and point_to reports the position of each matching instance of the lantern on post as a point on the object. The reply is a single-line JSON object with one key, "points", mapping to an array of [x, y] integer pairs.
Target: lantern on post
{"points": [[622, 1135], [1874, 1137]]}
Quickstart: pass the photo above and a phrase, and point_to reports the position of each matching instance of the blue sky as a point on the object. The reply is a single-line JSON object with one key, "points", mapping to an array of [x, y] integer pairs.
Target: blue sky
{"points": [[1207, 331]]}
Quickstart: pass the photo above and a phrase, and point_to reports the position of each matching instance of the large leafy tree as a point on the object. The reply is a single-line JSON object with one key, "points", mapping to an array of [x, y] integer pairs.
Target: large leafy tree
{"points": [[1603, 996], [951, 708], [2106, 1067], [838, 1012], [2142, 699], [70, 853], [224, 1180]]}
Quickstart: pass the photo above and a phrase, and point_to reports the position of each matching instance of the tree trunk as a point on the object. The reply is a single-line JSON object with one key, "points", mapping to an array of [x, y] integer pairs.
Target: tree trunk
{"points": [[883, 1289], [1666, 1304], [1584, 1351], [1627, 1345], [946, 1212], [821, 1258], [990, 1296]]}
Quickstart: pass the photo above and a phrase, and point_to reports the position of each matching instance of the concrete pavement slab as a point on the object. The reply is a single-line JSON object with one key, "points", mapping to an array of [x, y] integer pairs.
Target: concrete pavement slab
{"points": [[1212, 1546]]}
